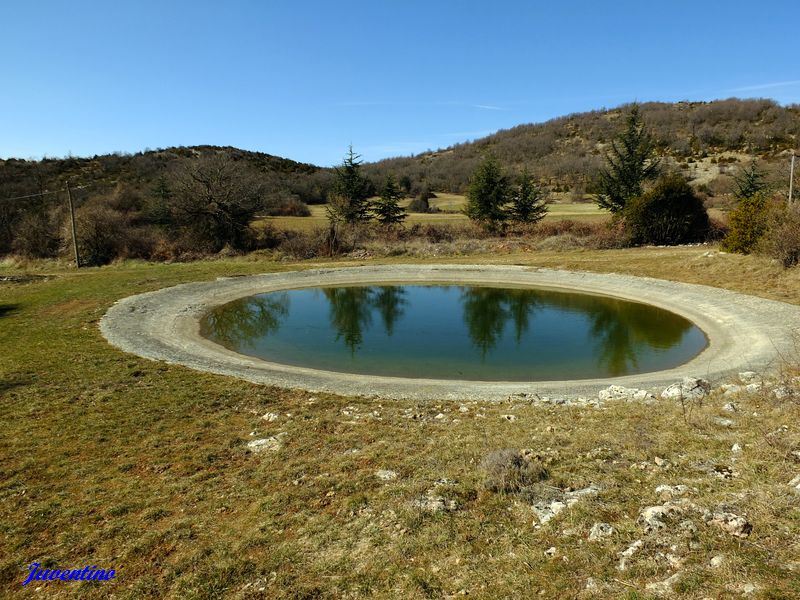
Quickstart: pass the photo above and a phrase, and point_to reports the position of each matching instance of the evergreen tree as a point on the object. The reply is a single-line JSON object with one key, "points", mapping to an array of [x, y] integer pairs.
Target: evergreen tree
{"points": [[529, 203], [487, 194], [629, 164], [749, 182], [348, 201], [387, 209]]}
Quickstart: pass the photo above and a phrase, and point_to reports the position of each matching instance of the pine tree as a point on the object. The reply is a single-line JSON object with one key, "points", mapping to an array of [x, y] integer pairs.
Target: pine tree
{"points": [[487, 194], [348, 201], [387, 209], [749, 182], [629, 164], [529, 203]]}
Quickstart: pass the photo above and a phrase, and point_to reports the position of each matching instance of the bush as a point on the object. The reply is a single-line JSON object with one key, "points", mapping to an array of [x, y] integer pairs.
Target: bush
{"points": [[747, 223], [508, 471], [670, 213], [420, 204], [290, 207], [782, 237], [35, 236], [101, 234]]}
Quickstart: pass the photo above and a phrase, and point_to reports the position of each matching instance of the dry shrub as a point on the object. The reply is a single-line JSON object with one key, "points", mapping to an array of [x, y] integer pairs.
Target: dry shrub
{"points": [[508, 471], [101, 233], [36, 237], [306, 244], [560, 243], [143, 242], [290, 207], [781, 240]]}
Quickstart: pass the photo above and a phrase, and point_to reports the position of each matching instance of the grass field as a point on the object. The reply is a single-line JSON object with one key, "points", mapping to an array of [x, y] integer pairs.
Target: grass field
{"points": [[112, 460], [451, 206]]}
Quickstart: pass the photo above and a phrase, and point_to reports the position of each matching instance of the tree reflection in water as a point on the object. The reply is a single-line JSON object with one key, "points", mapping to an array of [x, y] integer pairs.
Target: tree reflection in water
{"points": [[242, 322], [351, 311]]}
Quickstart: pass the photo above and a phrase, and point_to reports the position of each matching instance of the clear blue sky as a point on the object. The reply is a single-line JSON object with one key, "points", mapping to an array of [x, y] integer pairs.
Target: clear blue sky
{"points": [[303, 79]]}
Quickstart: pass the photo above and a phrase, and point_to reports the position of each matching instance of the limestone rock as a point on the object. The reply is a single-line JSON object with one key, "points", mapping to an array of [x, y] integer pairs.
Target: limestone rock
{"points": [[795, 483], [435, 504], [748, 377], [628, 553], [600, 531], [663, 587], [691, 388], [656, 518], [731, 523], [618, 392], [270, 443], [386, 475], [668, 492], [270, 417]]}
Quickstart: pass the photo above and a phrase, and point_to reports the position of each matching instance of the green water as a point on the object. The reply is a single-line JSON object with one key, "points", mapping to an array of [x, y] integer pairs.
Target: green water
{"points": [[455, 332]]}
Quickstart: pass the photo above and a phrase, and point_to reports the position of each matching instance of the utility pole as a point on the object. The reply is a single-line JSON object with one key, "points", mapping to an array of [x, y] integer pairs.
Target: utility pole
{"points": [[72, 222], [791, 178]]}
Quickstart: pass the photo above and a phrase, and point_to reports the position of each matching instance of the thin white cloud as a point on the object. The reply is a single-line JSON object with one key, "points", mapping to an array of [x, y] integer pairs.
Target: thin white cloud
{"points": [[766, 86], [488, 107]]}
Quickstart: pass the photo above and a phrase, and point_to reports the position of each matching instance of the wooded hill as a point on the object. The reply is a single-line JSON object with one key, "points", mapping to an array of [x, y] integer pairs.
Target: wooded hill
{"points": [[701, 138]]}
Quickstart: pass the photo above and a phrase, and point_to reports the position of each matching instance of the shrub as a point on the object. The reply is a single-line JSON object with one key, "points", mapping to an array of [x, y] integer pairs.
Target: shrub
{"points": [[35, 236], [419, 204], [508, 471], [101, 234], [289, 207], [747, 223], [670, 213], [782, 237]]}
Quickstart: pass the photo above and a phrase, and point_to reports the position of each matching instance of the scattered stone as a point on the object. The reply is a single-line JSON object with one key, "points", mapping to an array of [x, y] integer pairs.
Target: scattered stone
{"points": [[655, 518], [716, 562], [440, 416], [545, 511], [723, 422], [435, 503], [386, 475], [663, 587], [600, 531], [691, 388], [782, 392], [444, 481], [550, 552], [628, 553], [660, 462], [795, 483], [730, 407], [749, 589], [688, 527], [618, 392], [270, 417], [592, 585], [270, 443], [723, 472], [463, 409], [731, 523], [731, 389], [668, 492], [748, 376], [510, 418], [736, 448], [752, 388]]}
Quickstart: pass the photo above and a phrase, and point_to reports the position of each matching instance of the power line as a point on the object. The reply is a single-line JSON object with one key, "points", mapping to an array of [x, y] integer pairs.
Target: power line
{"points": [[46, 193]]}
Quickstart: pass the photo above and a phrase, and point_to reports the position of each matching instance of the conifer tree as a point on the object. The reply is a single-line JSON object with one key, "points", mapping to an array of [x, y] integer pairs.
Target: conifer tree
{"points": [[487, 194], [348, 201], [749, 182], [629, 164], [529, 202], [387, 209]]}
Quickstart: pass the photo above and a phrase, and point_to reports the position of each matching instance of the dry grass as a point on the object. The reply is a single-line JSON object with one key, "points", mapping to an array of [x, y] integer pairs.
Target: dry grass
{"points": [[113, 460]]}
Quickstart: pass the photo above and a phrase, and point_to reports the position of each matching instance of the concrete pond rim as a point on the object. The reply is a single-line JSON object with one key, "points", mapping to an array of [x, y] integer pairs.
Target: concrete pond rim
{"points": [[745, 333]]}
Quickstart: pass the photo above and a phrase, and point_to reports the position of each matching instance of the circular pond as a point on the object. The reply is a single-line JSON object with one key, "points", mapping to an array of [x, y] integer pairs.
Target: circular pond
{"points": [[456, 332]]}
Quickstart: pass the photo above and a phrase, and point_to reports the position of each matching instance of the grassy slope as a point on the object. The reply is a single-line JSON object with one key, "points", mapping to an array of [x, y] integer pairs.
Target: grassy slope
{"points": [[113, 460]]}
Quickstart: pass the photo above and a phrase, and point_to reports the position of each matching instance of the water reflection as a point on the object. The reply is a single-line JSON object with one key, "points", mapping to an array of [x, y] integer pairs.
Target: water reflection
{"points": [[480, 331], [242, 322]]}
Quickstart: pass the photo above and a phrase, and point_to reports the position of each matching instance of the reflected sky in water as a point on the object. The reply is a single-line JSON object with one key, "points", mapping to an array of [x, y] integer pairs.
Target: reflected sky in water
{"points": [[456, 332]]}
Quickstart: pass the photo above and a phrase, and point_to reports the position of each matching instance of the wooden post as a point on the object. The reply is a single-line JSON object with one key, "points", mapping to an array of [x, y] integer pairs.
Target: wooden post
{"points": [[72, 222], [791, 178]]}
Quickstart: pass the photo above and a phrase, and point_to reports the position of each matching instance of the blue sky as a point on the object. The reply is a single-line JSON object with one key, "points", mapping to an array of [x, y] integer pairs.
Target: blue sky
{"points": [[305, 79]]}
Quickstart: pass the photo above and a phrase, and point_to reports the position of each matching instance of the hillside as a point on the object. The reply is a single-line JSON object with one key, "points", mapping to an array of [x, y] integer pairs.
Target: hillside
{"points": [[701, 138]]}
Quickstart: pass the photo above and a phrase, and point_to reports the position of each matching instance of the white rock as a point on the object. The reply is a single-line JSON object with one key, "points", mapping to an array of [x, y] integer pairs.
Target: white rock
{"points": [[668, 492], [752, 388], [511, 418], [691, 388], [716, 562], [655, 518], [270, 443], [618, 392], [600, 531], [434, 503], [736, 448], [730, 407], [731, 523], [748, 376], [663, 587], [627, 553], [270, 417], [782, 392], [795, 483], [386, 474], [722, 422], [731, 389], [550, 552]]}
